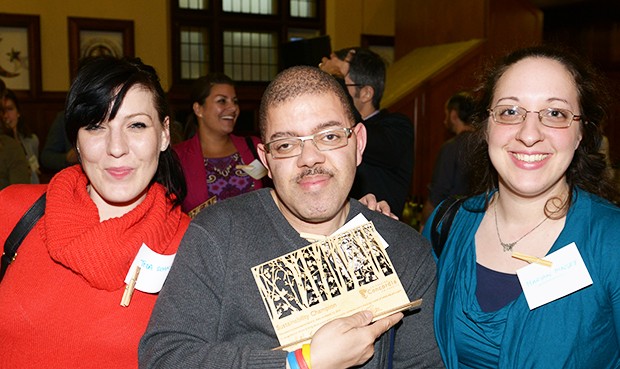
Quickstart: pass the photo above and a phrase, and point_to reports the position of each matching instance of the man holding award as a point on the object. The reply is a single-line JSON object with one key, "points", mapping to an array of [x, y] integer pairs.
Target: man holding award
{"points": [[294, 277]]}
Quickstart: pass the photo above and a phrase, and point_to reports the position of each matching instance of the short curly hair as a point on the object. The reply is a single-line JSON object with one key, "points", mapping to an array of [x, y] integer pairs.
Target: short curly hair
{"points": [[300, 81]]}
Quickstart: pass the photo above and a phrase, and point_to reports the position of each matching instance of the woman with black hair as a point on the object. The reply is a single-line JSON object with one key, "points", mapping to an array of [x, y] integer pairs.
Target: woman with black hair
{"points": [[66, 299]]}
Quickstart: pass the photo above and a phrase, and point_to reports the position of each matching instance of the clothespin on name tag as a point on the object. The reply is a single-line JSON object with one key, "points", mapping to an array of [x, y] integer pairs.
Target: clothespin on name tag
{"points": [[255, 169], [130, 287], [152, 268], [531, 259], [542, 285]]}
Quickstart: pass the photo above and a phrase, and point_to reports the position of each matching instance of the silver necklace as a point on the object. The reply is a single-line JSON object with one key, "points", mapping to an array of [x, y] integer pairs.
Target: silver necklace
{"points": [[508, 246]]}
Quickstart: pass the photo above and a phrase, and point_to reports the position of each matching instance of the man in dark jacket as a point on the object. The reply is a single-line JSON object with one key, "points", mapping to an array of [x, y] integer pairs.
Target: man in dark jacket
{"points": [[387, 164]]}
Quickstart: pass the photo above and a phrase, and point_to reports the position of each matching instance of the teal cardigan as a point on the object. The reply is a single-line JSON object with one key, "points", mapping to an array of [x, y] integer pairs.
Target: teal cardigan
{"points": [[581, 330]]}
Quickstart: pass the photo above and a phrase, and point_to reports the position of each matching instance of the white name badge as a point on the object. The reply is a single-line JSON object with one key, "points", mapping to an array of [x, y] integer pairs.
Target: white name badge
{"points": [[357, 221], [154, 269], [542, 284], [34, 163], [255, 169]]}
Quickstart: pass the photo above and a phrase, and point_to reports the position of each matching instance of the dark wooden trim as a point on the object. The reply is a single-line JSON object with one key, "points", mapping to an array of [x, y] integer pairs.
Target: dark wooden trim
{"points": [[367, 40], [32, 24], [76, 25]]}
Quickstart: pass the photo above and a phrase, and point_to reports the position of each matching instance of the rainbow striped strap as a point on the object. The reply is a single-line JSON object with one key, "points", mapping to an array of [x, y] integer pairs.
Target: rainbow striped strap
{"points": [[292, 360], [300, 359], [305, 350]]}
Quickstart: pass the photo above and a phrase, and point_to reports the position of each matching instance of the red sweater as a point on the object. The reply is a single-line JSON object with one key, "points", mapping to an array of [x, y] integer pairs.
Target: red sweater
{"points": [[60, 298]]}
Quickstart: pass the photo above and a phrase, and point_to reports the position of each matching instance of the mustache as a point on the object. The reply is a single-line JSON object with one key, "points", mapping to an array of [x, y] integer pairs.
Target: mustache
{"points": [[313, 171]]}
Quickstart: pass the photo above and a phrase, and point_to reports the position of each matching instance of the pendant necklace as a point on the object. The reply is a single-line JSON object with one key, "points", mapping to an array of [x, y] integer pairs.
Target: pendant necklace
{"points": [[508, 246]]}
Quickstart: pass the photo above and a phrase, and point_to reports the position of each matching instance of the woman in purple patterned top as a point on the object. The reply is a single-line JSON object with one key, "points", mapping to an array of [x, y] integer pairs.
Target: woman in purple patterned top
{"points": [[217, 164]]}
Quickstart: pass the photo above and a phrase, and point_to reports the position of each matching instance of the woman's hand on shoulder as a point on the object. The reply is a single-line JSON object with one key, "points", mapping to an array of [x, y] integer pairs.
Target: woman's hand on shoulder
{"points": [[370, 201]]}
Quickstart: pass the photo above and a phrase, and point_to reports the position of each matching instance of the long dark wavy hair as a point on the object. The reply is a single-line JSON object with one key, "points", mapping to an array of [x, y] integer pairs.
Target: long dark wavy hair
{"points": [[201, 89], [97, 93], [587, 170]]}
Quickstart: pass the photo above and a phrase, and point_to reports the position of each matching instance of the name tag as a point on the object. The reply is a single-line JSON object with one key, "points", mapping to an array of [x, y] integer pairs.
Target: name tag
{"points": [[255, 169], [154, 269], [542, 284], [34, 163]]}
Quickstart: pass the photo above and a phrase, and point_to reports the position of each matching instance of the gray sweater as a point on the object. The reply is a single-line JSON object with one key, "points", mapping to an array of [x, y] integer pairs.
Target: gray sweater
{"points": [[210, 314]]}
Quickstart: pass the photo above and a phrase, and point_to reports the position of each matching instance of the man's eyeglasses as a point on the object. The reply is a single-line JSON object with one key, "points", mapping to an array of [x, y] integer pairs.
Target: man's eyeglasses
{"points": [[327, 140], [550, 117], [354, 84]]}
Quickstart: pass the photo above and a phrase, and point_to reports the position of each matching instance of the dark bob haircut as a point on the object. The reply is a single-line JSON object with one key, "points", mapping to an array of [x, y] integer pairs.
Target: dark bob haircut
{"points": [[96, 95]]}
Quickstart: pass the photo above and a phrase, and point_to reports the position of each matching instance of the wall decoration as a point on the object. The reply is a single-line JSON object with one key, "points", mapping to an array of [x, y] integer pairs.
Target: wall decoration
{"points": [[94, 37], [20, 55]]}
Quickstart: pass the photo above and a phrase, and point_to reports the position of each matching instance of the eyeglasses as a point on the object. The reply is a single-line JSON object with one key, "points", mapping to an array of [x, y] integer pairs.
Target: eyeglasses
{"points": [[354, 84], [327, 140], [550, 117]]}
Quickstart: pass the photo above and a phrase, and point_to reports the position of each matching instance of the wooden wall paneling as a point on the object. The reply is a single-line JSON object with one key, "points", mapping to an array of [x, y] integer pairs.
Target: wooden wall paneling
{"points": [[414, 106], [425, 107], [596, 37], [512, 25], [39, 114], [425, 23]]}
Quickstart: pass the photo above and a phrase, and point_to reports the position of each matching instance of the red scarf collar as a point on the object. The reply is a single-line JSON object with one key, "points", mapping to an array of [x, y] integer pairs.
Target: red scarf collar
{"points": [[102, 252]]}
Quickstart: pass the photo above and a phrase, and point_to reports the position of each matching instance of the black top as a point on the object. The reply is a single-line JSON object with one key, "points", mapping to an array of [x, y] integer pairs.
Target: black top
{"points": [[387, 163], [450, 172]]}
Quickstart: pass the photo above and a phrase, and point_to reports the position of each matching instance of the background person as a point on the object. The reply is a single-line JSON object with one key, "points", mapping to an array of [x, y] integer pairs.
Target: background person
{"points": [[57, 152], [387, 167], [543, 187], [18, 129], [210, 312], [450, 174], [63, 291], [211, 158], [13, 168]]}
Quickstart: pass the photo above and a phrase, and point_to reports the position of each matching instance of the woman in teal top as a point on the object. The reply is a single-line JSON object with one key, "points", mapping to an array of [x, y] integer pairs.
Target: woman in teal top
{"points": [[543, 189]]}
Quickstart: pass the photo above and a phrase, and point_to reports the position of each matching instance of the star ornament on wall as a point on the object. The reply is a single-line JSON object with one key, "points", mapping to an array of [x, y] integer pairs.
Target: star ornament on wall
{"points": [[14, 55]]}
